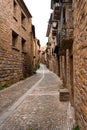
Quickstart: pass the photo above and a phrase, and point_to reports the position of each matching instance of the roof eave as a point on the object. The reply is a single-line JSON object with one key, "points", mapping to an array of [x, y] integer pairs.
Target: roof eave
{"points": [[24, 7]]}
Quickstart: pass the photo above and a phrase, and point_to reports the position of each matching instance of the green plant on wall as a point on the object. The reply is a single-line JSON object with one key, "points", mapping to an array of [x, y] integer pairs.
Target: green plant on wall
{"points": [[1, 88], [37, 66], [4, 86], [23, 78], [76, 128], [62, 86], [30, 129]]}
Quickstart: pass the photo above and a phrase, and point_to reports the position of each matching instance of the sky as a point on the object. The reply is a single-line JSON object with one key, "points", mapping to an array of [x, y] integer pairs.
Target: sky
{"points": [[40, 11]]}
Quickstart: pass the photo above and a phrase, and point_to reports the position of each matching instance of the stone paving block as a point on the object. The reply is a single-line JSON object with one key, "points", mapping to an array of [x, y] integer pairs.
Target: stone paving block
{"points": [[40, 109]]}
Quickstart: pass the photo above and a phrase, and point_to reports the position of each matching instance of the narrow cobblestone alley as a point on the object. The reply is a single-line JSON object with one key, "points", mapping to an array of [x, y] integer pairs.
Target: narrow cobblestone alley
{"points": [[35, 106]]}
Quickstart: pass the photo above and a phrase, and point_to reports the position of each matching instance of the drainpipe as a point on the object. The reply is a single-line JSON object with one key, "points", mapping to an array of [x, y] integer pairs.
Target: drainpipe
{"points": [[61, 26], [65, 69], [58, 41], [58, 59]]}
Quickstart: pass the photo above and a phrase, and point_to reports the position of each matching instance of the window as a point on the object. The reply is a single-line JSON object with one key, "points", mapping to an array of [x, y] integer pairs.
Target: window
{"points": [[70, 15], [23, 44], [15, 10], [14, 38], [23, 19], [15, 4], [64, 15]]}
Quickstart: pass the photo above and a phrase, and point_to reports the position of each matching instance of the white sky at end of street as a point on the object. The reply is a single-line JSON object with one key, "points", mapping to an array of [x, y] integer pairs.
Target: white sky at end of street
{"points": [[40, 11]]}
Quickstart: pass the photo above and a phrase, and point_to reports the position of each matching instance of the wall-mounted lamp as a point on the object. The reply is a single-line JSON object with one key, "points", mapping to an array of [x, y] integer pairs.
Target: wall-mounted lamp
{"points": [[55, 24]]}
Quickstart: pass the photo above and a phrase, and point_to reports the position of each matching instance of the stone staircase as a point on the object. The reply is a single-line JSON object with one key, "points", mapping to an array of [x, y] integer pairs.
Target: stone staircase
{"points": [[64, 94]]}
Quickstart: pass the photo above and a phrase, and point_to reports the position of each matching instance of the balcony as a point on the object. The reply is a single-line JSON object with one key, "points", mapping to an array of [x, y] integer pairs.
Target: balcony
{"points": [[56, 12], [66, 38], [56, 7], [53, 2], [59, 2], [54, 32], [59, 51], [54, 28], [66, 1]]}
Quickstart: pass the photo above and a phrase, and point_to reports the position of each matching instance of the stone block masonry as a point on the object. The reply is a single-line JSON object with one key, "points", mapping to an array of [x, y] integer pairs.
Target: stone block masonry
{"points": [[10, 67], [80, 62], [72, 38], [15, 41]]}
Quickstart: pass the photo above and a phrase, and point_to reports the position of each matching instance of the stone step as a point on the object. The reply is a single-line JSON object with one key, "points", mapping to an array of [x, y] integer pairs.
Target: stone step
{"points": [[64, 94]]}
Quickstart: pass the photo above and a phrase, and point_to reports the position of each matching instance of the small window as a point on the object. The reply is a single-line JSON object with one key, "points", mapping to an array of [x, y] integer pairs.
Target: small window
{"points": [[15, 4], [14, 38], [15, 10], [23, 44], [23, 19], [70, 15], [64, 15]]}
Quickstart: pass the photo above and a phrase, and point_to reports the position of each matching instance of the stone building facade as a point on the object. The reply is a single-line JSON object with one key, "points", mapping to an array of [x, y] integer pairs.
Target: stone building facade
{"points": [[15, 41], [43, 55], [80, 61], [52, 62], [36, 52], [70, 32]]}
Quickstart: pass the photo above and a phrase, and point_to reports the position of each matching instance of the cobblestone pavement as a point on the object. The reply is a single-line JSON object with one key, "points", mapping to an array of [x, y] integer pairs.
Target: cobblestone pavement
{"points": [[34, 104]]}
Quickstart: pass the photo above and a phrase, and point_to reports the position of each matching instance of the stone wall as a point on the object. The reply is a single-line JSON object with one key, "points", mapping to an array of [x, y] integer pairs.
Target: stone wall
{"points": [[80, 62], [15, 59], [10, 67], [55, 65], [73, 66]]}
